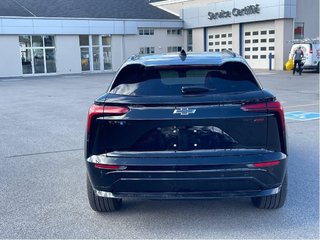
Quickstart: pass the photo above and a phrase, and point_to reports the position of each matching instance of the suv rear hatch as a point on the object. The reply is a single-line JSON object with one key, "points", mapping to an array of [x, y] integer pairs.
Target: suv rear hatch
{"points": [[155, 119]]}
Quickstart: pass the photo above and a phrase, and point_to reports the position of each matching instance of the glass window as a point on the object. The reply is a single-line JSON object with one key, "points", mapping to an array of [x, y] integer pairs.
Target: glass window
{"points": [[96, 58], [230, 42], [263, 56], [247, 33], [255, 49], [85, 59], [189, 40], [49, 41], [38, 61], [271, 39], [217, 50], [179, 32], [255, 33], [229, 34], [271, 48], [107, 60], [247, 49], [147, 50], [217, 36], [271, 31], [210, 43], [25, 41], [84, 40], [95, 40], [247, 41], [263, 48], [223, 43], [263, 40], [255, 40], [37, 54], [210, 36], [50, 60], [223, 35], [247, 56], [147, 31], [254, 56], [210, 50], [106, 40], [230, 77], [26, 60], [263, 32], [174, 49], [37, 41], [298, 30], [217, 43]]}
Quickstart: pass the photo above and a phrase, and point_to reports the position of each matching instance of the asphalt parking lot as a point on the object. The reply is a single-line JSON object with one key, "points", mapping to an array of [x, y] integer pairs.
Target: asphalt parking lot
{"points": [[42, 170]]}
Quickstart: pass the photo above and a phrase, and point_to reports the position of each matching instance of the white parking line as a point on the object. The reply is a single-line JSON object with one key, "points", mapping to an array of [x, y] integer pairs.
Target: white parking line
{"points": [[305, 105]]}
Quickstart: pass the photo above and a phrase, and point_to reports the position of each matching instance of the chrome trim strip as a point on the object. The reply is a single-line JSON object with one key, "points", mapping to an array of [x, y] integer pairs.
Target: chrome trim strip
{"points": [[96, 158]]}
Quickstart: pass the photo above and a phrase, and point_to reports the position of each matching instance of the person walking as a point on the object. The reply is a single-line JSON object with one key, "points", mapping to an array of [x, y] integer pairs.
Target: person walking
{"points": [[298, 55]]}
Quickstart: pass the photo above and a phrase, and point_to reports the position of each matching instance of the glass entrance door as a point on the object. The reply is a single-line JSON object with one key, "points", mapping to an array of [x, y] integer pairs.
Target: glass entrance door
{"points": [[38, 61], [95, 52], [37, 54]]}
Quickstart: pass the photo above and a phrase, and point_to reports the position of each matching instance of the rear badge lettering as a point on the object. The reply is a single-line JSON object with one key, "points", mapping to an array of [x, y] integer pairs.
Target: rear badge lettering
{"points": [[184, 111]]}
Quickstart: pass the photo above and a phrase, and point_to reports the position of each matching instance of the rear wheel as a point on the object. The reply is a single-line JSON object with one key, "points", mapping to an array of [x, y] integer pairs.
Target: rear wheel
{"points": [[272, 201], [102, 204]]}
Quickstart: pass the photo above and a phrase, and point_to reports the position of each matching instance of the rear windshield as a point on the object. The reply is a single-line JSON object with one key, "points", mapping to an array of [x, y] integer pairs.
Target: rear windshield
{"points": [[304, 47], [137, 80]]}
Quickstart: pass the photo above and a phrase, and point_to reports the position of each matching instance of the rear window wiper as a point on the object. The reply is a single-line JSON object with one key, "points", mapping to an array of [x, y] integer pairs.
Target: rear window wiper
{"points": [[194, 90]]}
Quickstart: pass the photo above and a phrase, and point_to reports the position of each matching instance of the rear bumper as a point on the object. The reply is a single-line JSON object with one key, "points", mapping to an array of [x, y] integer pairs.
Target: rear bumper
{"points": [[310, 67], [193, 178], [188, 195]]}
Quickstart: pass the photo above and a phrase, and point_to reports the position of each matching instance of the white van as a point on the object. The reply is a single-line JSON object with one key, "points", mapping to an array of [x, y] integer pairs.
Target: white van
{"points": [[311, 50]]}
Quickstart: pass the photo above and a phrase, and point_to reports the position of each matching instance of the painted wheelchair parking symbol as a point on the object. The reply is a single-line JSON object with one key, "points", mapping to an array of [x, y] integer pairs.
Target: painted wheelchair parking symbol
{"points": [[302, 116]]}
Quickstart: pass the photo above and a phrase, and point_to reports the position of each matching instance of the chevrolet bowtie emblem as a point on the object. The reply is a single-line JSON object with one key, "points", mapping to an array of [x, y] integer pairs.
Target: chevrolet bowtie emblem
{"points": [[184, 111]]}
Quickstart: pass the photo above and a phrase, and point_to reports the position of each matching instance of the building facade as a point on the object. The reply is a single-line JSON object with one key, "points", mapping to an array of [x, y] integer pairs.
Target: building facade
{"points": [[255, 29], [75, 46], [62, 37]]}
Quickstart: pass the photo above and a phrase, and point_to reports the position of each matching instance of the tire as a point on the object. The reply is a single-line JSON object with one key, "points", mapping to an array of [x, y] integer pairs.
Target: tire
{"points": [[102, 204], [318, 68], [273, 201]]}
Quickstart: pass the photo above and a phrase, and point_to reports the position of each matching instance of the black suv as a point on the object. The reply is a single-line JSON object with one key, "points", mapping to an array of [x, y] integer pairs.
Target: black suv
{"points": [[180, 126]]}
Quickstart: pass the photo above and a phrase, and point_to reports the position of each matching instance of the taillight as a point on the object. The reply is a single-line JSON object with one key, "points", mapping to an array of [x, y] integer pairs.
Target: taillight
{"points": [[96, 110], [310, 50], [109, 167], [272, 107], [114, 110], [265, 164]]}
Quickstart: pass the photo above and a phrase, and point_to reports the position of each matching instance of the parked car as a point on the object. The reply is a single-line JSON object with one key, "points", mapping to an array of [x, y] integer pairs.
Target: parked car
{"points": [[181, 126], [311, 50]]}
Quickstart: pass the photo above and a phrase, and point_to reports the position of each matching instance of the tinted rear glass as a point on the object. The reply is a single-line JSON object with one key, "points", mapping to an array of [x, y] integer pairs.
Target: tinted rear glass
{"points": [[137, 80]]}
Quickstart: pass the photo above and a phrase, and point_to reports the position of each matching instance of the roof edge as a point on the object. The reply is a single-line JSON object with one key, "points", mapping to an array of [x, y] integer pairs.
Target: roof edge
{"points": [[95, 19]]}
